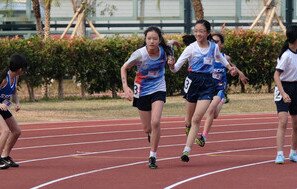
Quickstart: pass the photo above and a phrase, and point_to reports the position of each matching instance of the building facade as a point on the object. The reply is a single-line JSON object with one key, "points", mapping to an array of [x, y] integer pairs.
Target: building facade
{"points": [[131, 16]]}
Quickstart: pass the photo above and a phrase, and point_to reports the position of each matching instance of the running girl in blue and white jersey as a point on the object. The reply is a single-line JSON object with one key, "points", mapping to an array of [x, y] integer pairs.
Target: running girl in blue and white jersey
{"points": [[285, 94], [149, 93], [9, 128], [220, 77], [199, 85]]}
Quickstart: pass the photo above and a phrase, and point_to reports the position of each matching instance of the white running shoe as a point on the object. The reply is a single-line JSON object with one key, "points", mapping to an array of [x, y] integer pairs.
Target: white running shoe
{"points": [[293, 157], [280, 159]]}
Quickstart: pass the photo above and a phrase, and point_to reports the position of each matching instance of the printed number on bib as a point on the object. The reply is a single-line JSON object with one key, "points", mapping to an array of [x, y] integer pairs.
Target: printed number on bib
{"points": [[136, 90], [7, 102], [277, 95], [207, 60], [187, 85], [217, 76]]}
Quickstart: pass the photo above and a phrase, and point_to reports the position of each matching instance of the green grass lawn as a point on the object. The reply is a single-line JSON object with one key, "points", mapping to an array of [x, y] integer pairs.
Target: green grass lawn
{"points": [[93, 109]]}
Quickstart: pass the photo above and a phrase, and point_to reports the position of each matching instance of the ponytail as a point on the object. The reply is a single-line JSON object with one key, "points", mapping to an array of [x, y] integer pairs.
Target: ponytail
{"points": [[291, 35], [3, 74], [209, 38], [284, 48], [168, 50], [188, 39]]}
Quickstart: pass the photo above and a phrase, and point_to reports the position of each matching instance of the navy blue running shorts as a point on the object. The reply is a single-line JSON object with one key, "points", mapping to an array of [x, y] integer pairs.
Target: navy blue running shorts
{"points": [[5, 114], [144, 103], [291, 89], [199, 86]]}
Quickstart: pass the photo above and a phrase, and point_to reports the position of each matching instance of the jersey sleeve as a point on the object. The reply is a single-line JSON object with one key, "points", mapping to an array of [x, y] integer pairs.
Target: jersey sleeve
{"points": [[186, 54], [135, 57], [219, 57], [281, 62]]}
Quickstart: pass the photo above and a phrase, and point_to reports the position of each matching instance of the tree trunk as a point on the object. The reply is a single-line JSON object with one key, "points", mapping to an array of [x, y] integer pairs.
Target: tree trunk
{"points": [[81, 16], [30, 92], [45, 90], [141, 14], [47, 19], [198, 9], [83, 89], [114, 92], [60, 88], [242, 87], [36, 9], [269, 87], [81, 31]]}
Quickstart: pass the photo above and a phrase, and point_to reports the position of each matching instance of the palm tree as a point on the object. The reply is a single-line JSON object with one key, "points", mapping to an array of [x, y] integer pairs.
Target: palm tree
{"points": [[81, 28], [36, 10], [47, 6], [198, 9]]}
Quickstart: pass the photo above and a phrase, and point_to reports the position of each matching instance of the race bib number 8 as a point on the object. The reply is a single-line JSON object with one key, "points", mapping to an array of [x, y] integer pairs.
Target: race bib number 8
{"points": [[136, 90], [277, 95], [187, 85]]}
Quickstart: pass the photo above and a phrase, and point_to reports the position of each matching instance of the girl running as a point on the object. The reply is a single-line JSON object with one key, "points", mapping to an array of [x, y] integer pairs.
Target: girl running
{"points": [[10, 131], [199, 84], [285, 77], [149, 93], [220, 77]]}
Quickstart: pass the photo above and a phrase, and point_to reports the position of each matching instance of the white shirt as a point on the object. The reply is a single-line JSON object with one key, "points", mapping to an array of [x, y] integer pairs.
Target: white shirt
{"points": [[287, 64]]}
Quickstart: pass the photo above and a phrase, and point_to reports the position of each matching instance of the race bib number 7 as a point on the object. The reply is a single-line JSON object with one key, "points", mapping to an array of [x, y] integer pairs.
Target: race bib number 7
{"points": [[136, 90], [187, 85], [277, 95]]}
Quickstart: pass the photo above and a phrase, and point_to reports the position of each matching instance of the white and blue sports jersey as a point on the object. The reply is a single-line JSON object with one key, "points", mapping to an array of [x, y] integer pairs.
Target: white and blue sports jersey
{"points": [[9, 89], [200, 60], [220, 75], [150, 74]]}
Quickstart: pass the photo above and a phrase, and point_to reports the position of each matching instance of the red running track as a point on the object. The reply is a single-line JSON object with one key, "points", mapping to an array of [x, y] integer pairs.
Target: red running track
{"points": [[239, 153]]}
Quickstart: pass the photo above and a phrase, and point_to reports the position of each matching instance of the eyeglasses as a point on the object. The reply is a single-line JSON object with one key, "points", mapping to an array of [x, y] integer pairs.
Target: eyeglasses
{"points": [[199, 31], [216, 41]]}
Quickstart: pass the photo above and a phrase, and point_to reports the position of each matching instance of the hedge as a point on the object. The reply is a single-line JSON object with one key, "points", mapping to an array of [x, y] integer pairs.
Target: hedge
{"points": [[96, 63]]}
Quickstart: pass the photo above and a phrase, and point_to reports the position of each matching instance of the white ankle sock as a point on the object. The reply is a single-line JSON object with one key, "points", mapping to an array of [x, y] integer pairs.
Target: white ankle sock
{"points": [[280, 153], [187, 149], [153, 154], [292, 151]]}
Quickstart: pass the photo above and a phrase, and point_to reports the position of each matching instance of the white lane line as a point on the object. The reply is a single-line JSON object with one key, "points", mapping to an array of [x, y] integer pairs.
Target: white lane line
{"points": [[140, 130], [125, 165], [141, 162], [130, 124], [131, 149], [223, 115], [215, 172], [131, 139]]}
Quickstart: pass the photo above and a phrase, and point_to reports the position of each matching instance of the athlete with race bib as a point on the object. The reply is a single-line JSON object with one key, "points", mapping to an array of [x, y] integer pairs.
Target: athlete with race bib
{"points": [[149, 94], [285, 94], [220, 77], [9, 128], [199, 85]]}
